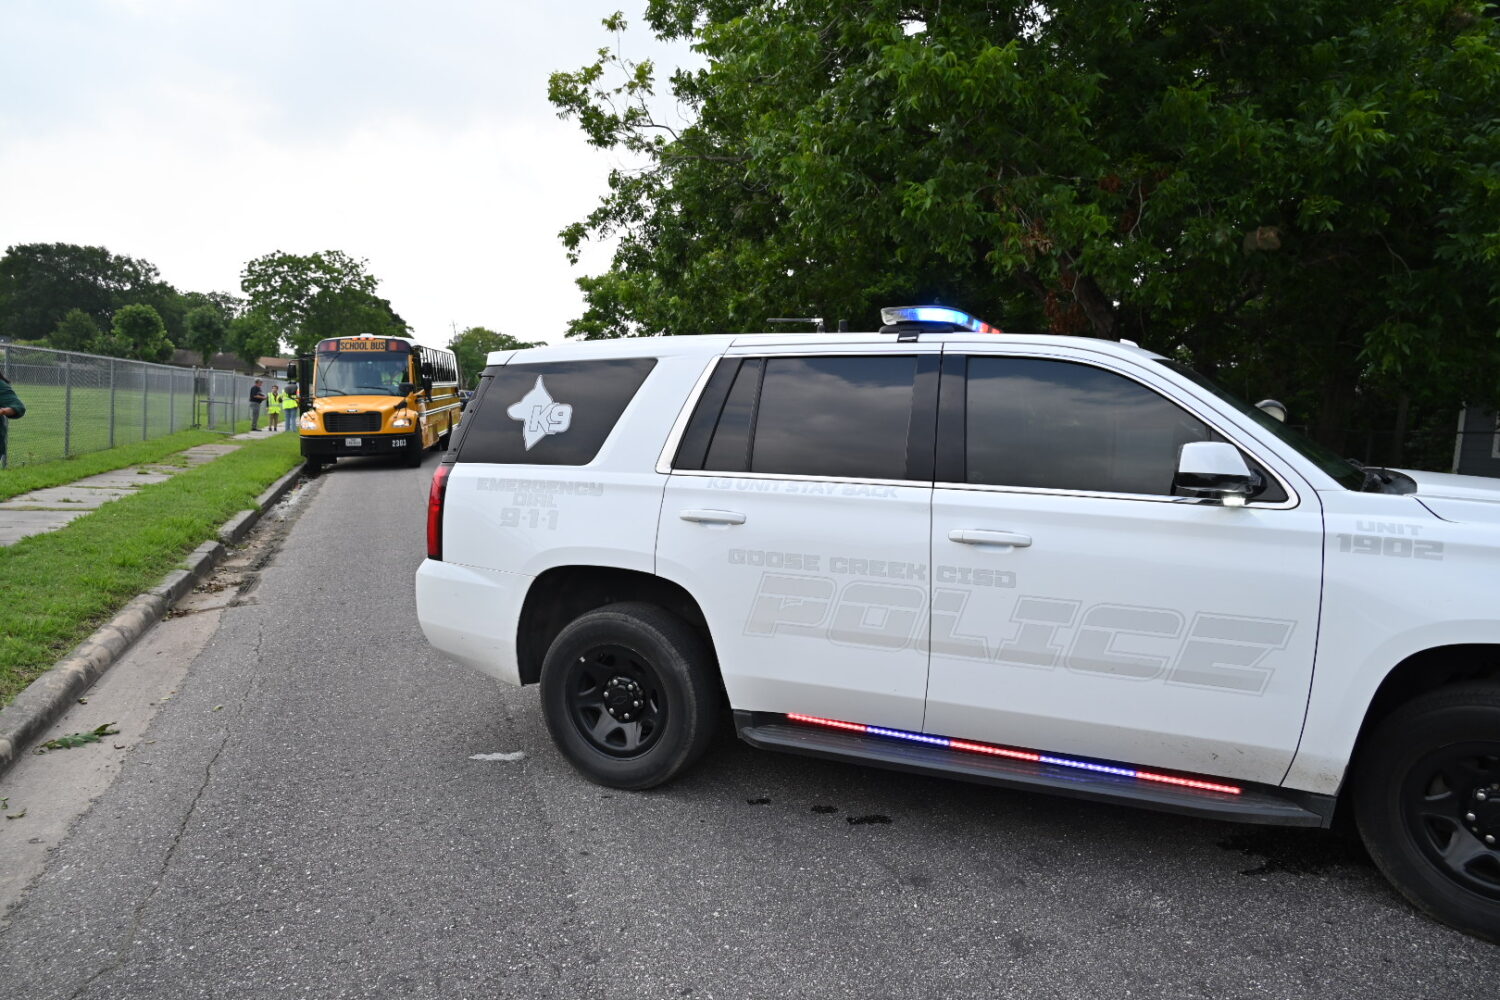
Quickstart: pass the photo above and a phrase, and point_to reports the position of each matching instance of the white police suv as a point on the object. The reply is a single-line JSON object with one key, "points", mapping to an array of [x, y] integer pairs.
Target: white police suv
{"points": [[1047, 563]]}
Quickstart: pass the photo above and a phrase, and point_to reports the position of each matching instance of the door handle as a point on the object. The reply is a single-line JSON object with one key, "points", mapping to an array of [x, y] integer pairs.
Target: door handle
{"points": [[981, 536], [713, 516]]}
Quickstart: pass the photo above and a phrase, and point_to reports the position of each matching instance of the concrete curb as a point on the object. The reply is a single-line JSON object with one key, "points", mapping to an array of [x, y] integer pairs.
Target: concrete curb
{"points": [[47, 697]]}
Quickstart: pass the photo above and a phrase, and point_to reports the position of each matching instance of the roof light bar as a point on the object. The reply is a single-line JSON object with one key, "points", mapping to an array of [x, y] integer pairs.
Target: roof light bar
{"points": [[1027, 755], [892, 315]]}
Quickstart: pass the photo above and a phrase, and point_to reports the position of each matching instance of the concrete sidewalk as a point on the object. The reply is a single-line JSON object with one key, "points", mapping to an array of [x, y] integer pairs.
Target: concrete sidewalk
{"points": [[46, 510]]}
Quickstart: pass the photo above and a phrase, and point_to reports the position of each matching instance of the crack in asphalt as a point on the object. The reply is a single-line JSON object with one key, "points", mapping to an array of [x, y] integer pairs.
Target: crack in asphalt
{"points": [[254, 682], [122, 955]]}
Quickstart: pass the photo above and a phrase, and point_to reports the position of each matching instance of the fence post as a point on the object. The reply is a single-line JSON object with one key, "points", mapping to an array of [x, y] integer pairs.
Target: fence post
{"points": [[171, 402], [5, 370], [145, 402], [111, 402], [67, 407]]}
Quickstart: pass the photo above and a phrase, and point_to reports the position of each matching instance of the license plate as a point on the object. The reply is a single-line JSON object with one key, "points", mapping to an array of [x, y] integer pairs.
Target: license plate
{"points": [[399, 443], [352, 442]]}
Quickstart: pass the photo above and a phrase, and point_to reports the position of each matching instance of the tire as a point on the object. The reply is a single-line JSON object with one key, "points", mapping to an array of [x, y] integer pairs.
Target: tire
{"points": [[313, 466], [629, 696], [1423, 773], [413, 455]]}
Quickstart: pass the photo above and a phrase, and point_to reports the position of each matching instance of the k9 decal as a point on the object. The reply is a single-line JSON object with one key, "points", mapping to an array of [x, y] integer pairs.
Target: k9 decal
{"points": [[1130, 643], [540, 414]]}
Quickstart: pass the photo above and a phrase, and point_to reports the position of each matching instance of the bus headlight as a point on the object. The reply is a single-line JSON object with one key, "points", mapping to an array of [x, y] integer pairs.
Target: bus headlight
{"points": [[308, 421], [401, 422]]}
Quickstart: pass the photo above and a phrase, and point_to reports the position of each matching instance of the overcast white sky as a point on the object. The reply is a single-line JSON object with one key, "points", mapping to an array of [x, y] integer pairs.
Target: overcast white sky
{"points": [[198, 134]]}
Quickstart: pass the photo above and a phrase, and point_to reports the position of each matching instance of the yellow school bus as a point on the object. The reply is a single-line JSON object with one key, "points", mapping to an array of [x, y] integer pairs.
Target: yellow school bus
{"points": [[370, 395]]}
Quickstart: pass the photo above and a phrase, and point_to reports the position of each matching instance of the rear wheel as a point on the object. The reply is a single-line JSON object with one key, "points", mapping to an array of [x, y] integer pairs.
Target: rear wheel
{"points": [[627, 695], [1427, 801]]}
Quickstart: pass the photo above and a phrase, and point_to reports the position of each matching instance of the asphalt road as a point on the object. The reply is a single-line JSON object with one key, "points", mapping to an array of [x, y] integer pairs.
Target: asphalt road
{"points": [[302, 819]]}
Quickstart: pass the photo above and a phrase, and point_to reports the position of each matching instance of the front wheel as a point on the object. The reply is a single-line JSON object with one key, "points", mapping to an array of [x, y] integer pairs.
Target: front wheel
{"points": [[1427, 801], [414, 451], [628, 695]]}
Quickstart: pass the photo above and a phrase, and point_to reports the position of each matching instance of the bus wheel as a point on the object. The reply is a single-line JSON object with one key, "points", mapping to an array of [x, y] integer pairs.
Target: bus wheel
{"points": [[313, 466], [414, 451]]}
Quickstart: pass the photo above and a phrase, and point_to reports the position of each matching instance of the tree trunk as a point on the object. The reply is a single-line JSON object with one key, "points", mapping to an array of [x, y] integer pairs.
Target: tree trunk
{"points": [[1398, 440], [1097, 306]]}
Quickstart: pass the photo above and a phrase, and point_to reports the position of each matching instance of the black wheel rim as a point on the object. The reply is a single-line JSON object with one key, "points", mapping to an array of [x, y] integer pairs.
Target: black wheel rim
{"points": [[615, 701], [1450, 803]]}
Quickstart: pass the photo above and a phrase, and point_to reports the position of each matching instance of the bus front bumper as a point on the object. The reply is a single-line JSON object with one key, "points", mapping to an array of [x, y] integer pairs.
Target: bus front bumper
{"points": [[338, 445]]}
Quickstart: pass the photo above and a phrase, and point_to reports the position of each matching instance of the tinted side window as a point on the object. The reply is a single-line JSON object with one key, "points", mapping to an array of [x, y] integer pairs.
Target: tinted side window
{"points": [[729, 450], [1065, 426], [829, 417], [557, 413]]}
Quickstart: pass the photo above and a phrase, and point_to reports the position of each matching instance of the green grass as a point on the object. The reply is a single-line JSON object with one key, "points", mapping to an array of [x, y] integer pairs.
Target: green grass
{"points": [[17, 480], [60, 424], [57, 588]]}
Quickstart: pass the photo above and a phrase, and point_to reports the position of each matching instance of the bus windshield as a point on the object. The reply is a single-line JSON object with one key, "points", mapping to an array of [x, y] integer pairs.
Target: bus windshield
{"points": [[361, 373]]}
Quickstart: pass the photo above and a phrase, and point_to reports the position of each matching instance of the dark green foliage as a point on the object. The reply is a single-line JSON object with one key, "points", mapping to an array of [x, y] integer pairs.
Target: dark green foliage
{"points": [[138, 332], [76, 332], [41, 282], [472, 345], [1302, 197], [327, 294], [205, 330], [251, 336]]}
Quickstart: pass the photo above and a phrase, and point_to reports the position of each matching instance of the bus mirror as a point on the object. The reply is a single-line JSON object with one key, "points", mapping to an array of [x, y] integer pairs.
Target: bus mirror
{"points": [[291, 371], [406, 388], [427, 371]]}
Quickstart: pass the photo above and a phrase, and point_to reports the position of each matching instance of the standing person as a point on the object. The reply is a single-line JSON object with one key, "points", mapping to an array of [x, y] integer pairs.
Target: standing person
{"points": [[11, 408], [257, 397], [289, 406], [273, 410]]}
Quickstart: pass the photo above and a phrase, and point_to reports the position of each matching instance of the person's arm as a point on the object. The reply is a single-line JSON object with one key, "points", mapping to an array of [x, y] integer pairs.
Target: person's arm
{"points": [[10, 404]]}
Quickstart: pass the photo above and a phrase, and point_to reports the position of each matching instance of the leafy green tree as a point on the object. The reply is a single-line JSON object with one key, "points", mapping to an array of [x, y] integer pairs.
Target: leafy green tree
{"points": [[1272, 189], [472, 345], [41, 282], [226, 305], [76, 332], [345, 311], [251, 336], [308, 298], [138, 332], [205, 330]]}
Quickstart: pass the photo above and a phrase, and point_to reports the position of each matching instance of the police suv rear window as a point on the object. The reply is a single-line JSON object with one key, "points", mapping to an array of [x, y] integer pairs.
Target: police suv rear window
{"points": [[554, 413], [838, 416]]}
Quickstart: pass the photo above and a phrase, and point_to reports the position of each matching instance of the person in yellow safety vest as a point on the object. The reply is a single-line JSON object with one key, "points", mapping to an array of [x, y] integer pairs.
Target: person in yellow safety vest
{"points": [[289, 406], [273, 410]]}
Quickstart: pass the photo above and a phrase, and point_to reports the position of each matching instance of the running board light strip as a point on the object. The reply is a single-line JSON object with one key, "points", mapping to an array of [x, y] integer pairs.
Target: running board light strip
{"points": [[1026, 755]]}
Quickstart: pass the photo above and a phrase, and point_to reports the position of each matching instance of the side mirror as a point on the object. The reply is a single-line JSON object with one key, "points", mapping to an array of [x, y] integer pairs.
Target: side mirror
{"points": [[427, 370], [406, 388], [1273, 408], [291, 372], [1214, 470]]}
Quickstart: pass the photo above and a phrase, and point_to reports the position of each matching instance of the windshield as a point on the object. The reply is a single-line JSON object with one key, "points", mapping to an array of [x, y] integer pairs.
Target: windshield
{"points": [[345, 373], [1349, 475]]}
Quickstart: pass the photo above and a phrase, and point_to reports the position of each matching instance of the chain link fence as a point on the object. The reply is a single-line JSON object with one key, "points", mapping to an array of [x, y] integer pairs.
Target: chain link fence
{"points": [[78, 403]]}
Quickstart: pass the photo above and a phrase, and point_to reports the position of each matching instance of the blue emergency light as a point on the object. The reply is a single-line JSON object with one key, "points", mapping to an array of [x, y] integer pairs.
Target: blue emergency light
{"points": [[954, 318]]}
